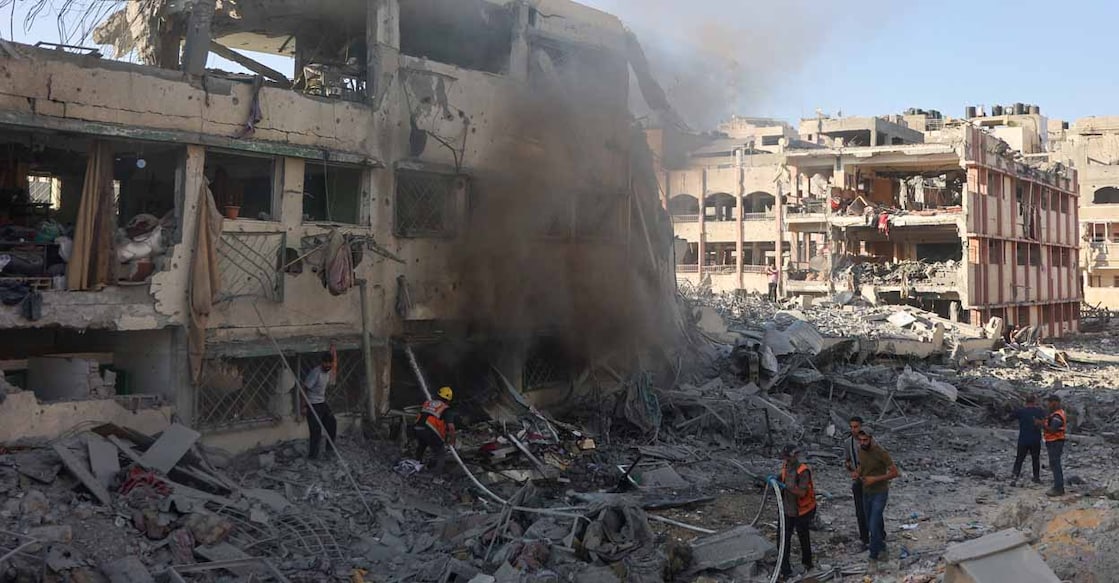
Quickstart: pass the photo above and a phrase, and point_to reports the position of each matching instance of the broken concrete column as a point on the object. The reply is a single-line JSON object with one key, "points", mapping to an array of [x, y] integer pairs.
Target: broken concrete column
{"points": [[196, 49], [382, 33], [518, 56]]}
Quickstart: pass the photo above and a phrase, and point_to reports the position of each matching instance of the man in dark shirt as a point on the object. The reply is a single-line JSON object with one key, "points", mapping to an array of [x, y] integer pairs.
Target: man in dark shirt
{"points": [[1029, 438]]}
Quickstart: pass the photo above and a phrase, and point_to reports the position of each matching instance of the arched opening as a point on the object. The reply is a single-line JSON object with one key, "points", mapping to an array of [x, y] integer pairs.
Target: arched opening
{"points": [[758, 203], [1106, 195], [719, 206], [683, 207]]}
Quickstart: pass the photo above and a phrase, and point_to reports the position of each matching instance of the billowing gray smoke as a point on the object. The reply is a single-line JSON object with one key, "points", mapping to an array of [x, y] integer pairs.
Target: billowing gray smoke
{"points": [[718, 57]]}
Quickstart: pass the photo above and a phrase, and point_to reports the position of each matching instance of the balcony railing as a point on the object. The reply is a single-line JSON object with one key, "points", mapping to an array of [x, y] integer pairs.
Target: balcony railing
{"points": [[759, 217], [685, 218], [753, 268], [687, 268]]}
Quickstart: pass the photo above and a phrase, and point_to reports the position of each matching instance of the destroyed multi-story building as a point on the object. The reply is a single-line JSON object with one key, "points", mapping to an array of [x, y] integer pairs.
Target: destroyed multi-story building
{"points": [[1091, 144], [458, 176], [948, 217]]}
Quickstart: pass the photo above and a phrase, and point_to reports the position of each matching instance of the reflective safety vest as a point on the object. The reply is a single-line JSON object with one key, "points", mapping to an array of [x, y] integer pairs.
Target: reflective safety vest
{"points": [[432, 415], [1058, 435], [806, 503]]}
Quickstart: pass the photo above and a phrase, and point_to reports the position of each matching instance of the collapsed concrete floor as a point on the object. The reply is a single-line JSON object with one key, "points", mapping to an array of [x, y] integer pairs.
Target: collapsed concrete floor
{"points": [[703, 435]]}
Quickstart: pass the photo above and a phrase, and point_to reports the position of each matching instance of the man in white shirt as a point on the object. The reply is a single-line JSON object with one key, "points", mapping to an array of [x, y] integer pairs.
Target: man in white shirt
{"points": [[851, 447], [314, 385]]}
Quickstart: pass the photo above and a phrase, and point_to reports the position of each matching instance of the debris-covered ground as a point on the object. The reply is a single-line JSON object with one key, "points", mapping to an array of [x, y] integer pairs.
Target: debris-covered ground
{"points": [[658, 477]]}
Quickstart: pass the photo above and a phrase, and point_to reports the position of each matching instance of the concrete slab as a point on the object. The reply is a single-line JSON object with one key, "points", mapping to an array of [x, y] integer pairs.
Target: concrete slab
{"points": [[727, 550], [997, 557], [271, 498], [901, 319], [103, 459], [76, 467], [171, 446], [664, 477], [228, 552], [127, 570]]}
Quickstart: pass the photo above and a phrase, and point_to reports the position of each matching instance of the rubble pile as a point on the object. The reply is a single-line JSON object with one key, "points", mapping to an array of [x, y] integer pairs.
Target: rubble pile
{"points": [[653, 477], [894, 273]]}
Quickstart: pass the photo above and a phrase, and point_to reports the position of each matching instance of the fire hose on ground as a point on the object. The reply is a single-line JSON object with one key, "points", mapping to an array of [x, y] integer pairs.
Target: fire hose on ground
{"points": [[771, 482]]}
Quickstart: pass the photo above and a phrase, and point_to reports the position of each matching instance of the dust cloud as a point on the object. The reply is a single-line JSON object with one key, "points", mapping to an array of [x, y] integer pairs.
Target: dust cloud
{"points": [[719, 57], [555, 247]]}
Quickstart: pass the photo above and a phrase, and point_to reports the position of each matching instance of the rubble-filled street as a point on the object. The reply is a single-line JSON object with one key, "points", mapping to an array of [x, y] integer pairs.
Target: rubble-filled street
{"points": [[652, 478]]}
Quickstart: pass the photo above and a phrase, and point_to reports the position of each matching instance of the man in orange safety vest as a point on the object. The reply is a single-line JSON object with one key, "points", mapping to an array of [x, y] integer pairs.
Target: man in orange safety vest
{"points": [[799, 498]]}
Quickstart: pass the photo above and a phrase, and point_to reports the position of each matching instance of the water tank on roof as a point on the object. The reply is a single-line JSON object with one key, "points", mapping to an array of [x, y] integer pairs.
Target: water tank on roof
{"points": [[969, 111], [1019, 109], [996, 110], [1035, 110]]}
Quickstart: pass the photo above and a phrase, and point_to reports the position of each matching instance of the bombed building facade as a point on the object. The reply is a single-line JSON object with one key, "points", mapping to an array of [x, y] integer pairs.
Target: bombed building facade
{"points": [[170, 229], [948, 218], [1091, 144]]}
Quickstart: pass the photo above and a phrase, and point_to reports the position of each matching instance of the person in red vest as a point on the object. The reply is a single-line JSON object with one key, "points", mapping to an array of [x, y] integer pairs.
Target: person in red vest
{"points": [[435, 427], [1054, 432], [799, 498]]}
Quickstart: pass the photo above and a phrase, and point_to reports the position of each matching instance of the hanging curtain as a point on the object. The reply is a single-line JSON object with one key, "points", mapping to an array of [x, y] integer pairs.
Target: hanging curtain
{"points": [[90, 265], [205, 278]]}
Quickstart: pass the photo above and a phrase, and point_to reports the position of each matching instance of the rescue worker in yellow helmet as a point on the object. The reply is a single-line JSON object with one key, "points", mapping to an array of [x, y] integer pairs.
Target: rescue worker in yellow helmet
{"points": [[435, 427]]}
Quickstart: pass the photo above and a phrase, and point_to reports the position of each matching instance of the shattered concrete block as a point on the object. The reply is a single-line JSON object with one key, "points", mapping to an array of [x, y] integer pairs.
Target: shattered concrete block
{"points": [[104, 460], [39, 466], [34, 506], [55, 534], [208, 529], [127, 570], [61, 558], [902, 319], [730, 549], [171, 446], [665, 477]]}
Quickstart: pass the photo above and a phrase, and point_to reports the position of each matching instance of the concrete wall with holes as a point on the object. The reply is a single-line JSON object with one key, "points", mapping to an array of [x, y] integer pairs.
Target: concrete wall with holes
{"points": [[56, 89], [500, 132]]}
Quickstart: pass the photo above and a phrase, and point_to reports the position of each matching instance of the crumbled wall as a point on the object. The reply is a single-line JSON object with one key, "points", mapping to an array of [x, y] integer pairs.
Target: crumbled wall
{"points": [[68, 87], [22, 416]]}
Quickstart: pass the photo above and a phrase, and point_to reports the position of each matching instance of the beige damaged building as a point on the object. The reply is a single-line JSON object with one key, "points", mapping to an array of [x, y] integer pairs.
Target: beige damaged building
{"points": [[1092, 145], [458, 176], [949, 218]]}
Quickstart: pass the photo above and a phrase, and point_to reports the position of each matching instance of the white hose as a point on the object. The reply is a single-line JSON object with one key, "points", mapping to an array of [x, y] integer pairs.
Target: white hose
{"points": [[781, 530]]}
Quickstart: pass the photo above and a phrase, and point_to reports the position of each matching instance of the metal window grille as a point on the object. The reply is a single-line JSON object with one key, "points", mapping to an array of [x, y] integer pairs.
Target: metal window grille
{"points": [[347, 393], [238, 391], [425, 203], [545, 366], [41, 189], [250, 265]]}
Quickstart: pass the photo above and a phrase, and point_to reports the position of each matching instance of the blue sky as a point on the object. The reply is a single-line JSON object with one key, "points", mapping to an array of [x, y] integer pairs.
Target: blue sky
{"points": [[786, 58]]}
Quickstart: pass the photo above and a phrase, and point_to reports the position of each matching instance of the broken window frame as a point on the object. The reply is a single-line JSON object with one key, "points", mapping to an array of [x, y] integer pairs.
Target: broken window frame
{"points": [[276, 172], [361, 215]]}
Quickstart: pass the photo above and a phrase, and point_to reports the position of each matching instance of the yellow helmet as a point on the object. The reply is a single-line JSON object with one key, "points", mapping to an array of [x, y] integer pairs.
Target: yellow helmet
{"points": [[446, 393]]}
